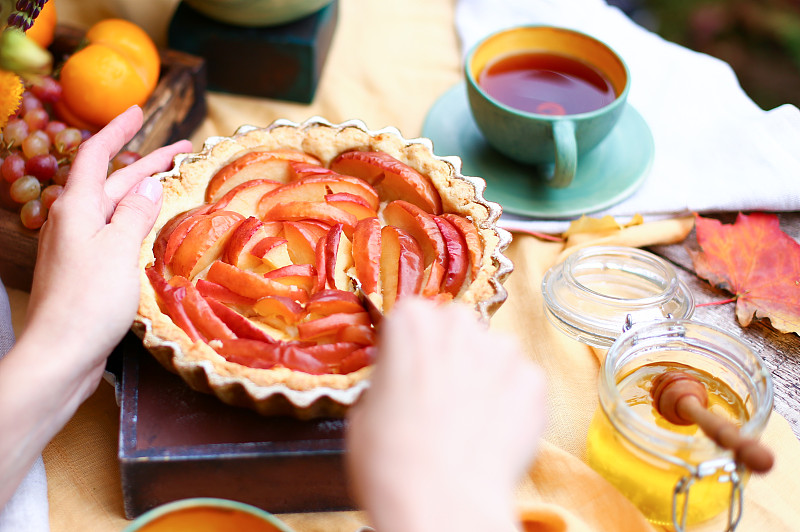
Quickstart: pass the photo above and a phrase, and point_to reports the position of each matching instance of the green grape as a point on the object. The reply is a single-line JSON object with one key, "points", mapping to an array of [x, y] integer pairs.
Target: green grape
{"points": [[33, 214], [25, 189]]}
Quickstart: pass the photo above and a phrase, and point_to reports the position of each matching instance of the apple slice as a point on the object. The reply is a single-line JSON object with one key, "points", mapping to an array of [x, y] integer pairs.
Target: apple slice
{"points": [[170, 301], [313, 189], [457, 257], [402, 267], [304, 210], [359, 334], [355, 205], [420, 225], [250, 284], [165, 233], [183, 225], [295, 358], [204, 242], [300, 275], [472, 238], [367, 254], [391, 178], [263, 355], [321, 266], [239, 251], [244, 197], [218, 292], [250, 352], [339, 258], [273, 252], [199, 312], [240, 325], [332, 301], [360, 358], [331, 354], [330, 325], [272, 165], [303, 238], [300, 169], [283, 308]]}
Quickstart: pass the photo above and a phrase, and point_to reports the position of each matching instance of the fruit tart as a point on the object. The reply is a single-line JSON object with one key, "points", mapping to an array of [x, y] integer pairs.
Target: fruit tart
{"points": [[250, 275]]}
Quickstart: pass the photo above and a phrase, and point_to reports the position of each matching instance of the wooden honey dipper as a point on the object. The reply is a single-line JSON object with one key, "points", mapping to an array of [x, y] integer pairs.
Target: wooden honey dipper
{"points": [[683, 400]]}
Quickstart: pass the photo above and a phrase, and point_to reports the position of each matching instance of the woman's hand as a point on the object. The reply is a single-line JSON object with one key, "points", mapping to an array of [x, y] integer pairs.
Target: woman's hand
{"points": [[86, 282], [85, 292], [449, 424]]}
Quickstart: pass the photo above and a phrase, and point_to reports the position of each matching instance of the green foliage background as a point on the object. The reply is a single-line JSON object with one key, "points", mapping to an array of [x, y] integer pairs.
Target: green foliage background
{"points": [[760, 39]]}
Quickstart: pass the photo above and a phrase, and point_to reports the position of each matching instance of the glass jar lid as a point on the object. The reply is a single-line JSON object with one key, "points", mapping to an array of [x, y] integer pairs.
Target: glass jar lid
{"points": [[598, 291]]}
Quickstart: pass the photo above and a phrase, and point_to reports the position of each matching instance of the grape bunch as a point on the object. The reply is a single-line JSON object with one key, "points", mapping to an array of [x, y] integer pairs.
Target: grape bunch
{"points": [[36, 154]]}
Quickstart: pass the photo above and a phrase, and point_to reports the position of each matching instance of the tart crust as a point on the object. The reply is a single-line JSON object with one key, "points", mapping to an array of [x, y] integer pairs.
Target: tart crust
{"points": [[281, 390]]}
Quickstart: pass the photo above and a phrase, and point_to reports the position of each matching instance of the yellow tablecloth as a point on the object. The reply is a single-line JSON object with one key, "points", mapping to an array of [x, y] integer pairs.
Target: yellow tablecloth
{"points": [[388, 63]]}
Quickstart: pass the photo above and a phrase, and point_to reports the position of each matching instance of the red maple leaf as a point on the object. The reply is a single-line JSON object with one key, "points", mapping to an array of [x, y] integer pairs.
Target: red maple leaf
{"points": [[757, 262]]}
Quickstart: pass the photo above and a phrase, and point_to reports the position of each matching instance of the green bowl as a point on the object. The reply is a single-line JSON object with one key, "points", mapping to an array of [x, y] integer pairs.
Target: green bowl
{"points": [[221, 517], [257, 12]]}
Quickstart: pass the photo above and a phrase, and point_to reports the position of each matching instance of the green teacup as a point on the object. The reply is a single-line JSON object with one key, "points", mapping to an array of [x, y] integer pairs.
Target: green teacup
{"points": [[544, 96]]}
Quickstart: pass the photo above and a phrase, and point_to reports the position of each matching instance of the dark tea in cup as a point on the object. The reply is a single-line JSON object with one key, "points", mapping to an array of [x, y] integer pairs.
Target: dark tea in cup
{"points": [[547, 84]]}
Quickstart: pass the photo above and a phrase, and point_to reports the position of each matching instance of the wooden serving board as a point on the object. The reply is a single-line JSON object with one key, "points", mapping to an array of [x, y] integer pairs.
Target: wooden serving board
{"points": [[175, 109]]}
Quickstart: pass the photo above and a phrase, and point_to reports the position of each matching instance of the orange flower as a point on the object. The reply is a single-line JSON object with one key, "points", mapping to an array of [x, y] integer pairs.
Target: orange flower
{"points": [[11, 89]]}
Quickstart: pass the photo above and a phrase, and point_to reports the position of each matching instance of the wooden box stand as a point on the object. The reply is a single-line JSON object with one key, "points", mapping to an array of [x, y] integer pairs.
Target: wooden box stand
{"points": [[177, 443], [281, 62]]}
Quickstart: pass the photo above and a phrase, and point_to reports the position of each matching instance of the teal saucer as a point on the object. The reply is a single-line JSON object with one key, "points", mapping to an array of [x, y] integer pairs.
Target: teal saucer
{"points": [[608, 174]]}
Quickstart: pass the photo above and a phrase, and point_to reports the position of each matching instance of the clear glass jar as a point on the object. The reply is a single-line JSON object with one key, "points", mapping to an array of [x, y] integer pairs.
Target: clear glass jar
{"points": [[596, 290], [657, 465]]}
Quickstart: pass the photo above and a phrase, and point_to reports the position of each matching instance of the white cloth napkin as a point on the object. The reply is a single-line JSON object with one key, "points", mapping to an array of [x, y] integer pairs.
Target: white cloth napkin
{"points": [[715, 149], [28, 508]]}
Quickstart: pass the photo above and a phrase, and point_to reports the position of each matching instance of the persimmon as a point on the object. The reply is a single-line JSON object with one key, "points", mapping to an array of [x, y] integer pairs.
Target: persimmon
{"points": [[118, 68], [44, 26]]}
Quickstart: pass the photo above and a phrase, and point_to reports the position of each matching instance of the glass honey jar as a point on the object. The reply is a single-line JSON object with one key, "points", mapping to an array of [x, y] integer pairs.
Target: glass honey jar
{"points": [[675, 475]]}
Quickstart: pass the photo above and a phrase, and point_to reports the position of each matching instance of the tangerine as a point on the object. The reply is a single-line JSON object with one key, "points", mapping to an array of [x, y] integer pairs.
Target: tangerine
{"points": [[117, 69], [44, 26]]}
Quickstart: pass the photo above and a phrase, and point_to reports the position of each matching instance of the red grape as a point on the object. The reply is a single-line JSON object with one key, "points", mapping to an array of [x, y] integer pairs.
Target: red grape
{"points": [[37, 143], [29, 101], [61, 175], [25, 189], [50, 194], [36, 118], [33, 214], [53, 128], [42, 167], [46, 89], [15, 132], [13, 167], [123, 159]]}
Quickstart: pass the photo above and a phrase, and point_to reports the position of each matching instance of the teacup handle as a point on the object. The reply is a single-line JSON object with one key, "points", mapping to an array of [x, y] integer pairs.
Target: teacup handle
{"points": [[566, 154]]}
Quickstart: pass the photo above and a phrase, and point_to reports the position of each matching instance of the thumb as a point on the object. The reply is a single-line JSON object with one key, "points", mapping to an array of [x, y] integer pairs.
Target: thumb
{"points": [[138, 209]]}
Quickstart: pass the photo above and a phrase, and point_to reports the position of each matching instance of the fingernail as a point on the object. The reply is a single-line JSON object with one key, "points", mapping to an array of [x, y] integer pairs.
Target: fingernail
{"points": [[150, 188]]}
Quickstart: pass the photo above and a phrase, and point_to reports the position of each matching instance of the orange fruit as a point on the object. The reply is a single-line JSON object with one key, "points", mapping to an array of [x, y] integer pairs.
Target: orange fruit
{"points": [[118, 68], [44, 26]]}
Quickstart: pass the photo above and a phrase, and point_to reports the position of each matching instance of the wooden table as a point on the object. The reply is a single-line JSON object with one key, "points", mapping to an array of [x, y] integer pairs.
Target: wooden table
{"points": [[781, 352]]}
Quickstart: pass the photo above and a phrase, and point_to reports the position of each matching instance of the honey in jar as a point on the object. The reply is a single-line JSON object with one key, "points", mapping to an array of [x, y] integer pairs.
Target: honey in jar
{"points": [[624, 465], [676, 475]]}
